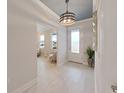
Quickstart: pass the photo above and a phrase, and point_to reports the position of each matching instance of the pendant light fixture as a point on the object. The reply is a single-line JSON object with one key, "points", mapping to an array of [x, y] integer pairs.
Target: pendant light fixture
{"points": [[67, 18]]}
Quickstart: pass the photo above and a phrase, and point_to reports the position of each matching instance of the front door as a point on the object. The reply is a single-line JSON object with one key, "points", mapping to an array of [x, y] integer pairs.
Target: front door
{"points": [[74, 45]]}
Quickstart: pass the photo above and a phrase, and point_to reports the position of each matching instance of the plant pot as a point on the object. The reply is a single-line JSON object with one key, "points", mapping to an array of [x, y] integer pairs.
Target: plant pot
{"points": [[90, 62]]}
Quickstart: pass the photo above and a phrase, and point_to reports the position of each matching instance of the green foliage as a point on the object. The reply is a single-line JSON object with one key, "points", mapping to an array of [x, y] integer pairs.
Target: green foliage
{"points": [[90, 52]]}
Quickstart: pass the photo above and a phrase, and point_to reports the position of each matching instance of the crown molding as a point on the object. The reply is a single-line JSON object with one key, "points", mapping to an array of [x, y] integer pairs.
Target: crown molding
{"points": [[43, 6], [47, 12], [85, 20], [81, 22]]}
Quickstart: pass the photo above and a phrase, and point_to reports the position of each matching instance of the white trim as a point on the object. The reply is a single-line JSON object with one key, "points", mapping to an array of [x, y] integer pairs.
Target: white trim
{"points": [[82, 21], [25, 86], [41, 4], [78, 24], [48, 11], [85, 20]]}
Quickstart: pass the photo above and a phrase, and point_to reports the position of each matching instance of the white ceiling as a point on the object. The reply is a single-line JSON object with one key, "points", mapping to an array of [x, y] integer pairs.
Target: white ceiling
{"points": [[82, 8]]}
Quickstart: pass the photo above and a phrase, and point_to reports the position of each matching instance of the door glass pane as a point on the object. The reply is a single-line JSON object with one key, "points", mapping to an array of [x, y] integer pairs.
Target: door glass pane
{"points": [[42, 41], [54, 40], [75, 41]]}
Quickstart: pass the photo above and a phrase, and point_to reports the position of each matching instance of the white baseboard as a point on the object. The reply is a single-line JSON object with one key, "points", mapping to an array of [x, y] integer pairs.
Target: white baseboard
{"points": [[26, 86], [85, 63]]}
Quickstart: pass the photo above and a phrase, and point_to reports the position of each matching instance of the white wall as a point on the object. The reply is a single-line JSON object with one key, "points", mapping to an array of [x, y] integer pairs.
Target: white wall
{"points": [[23, 16], [86, 38], [38, 39], [106, 55], [62, 46], [22, 46]]}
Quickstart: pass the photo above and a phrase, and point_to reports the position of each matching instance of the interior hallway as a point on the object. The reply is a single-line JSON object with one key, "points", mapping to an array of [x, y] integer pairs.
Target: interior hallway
{"points": [[69, 78]]}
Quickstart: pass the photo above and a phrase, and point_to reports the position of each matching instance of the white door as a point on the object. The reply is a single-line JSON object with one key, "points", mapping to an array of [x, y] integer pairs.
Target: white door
{"points": [[74, 47]]}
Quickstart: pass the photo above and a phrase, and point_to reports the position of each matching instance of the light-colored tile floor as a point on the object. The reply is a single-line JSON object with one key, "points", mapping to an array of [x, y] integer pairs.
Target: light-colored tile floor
{"points": [[69, 78]]}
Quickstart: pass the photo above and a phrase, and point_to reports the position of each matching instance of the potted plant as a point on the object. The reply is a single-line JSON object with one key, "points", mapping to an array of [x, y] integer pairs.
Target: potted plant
{"points": [[90, 53]]}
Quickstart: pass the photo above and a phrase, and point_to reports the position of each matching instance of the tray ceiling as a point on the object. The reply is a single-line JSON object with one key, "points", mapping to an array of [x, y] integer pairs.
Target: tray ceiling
{"points": [[82, 8]]}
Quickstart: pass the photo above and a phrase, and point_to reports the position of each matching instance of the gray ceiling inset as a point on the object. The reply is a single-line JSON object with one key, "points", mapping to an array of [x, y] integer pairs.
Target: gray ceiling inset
{"points": [[82, 8]]}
